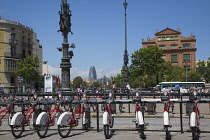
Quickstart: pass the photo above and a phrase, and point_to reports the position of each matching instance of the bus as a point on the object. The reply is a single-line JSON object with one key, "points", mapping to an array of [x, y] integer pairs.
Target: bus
{"points": [[182, 84]]}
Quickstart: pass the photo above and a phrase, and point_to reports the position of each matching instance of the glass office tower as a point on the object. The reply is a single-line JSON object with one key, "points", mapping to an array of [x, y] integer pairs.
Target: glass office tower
{"points": [[92, 73]]}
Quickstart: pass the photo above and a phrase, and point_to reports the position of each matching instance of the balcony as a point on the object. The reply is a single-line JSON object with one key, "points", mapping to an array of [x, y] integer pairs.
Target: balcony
{"points": [[10, 55], [13, 42]]}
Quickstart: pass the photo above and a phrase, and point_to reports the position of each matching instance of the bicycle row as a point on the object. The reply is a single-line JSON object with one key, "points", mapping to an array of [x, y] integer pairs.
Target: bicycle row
{"points": [[40, 115]]}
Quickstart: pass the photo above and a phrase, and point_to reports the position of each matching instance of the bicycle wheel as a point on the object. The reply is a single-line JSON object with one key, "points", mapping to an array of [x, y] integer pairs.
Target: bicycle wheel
{"points": [[106, 131], [167, 133], [86, 120], [64, 131], [17, 130], [194, 133], [112, 122], [42, 130], [141, 132], [94, 108], [120, 107]]}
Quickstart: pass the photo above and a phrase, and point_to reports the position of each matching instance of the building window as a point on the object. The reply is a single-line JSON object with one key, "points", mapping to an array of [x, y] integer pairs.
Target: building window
{"points": [[174, 58], [23, 40], [29, 40], [187, 67], [186, 45], [173, 46], [167, 38], [10, 65], [12, 80], [186, 57], [163, 38], [12, 35], [164, 57], [12, 51], [23, 53], [162, 46]]}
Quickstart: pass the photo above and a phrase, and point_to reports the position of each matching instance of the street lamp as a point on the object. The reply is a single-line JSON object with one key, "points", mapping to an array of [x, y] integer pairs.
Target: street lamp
{"points": [[112, 73], [65, 28], [126, 72]]}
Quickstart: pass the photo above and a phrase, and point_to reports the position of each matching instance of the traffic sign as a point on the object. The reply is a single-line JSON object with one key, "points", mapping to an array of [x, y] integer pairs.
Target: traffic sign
{"points": [[21, 79]]}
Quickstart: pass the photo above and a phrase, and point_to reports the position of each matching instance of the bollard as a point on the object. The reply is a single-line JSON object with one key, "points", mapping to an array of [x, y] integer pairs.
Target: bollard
{"points": [[151, 108]]}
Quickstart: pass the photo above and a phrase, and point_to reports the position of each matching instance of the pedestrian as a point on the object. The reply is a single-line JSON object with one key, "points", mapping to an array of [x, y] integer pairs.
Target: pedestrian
{"points": [[128, 88], [177, 87], [113, 87]]}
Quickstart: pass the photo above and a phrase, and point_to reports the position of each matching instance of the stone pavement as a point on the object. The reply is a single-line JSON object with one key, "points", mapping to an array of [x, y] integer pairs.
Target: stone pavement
{"points": [[203, 107]]}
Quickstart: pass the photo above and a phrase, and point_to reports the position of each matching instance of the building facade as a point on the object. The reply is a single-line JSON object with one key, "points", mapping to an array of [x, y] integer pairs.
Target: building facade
{"points": [[92, 73], [16, 42], [179, 50]]}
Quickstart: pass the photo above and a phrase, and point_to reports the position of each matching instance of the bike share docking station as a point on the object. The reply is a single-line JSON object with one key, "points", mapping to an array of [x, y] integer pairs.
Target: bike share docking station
{"points": [[113, 99]]}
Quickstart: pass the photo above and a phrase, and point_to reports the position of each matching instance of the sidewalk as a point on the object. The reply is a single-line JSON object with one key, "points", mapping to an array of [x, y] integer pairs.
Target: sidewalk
{"points": [[203, 107]]}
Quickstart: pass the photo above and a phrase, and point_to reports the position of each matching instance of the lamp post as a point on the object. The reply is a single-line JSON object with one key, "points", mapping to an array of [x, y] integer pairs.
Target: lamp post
{"points": [[125, 66], [112, 73], [65, 28], [126, 72]]}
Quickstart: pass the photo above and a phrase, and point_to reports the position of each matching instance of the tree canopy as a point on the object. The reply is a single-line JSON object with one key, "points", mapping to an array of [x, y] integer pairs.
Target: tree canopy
{"points": [[28, 69]]}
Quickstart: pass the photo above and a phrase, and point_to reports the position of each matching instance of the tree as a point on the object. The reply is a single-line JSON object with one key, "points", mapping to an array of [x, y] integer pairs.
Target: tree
{"points": [[77, 82], [147, 63], [28, 69], [204, 69]]}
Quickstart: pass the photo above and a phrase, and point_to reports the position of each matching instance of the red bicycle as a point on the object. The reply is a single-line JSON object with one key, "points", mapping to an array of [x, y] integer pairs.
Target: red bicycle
{"points": [[47, 118], [26, 117], [70, 119]]}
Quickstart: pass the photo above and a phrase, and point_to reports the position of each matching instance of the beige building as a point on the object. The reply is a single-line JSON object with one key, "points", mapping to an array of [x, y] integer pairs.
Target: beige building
{"points": [[179, 50], [16, 42]]}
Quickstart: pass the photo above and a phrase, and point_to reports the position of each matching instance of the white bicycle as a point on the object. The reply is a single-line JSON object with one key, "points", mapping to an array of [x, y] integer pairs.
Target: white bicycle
{"points": [[166, 120], [195, 117], [139, 121], [108, 118]]}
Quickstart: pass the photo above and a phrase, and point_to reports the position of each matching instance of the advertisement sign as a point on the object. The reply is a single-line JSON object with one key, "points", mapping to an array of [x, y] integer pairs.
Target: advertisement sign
{"points": [[48, 83]]}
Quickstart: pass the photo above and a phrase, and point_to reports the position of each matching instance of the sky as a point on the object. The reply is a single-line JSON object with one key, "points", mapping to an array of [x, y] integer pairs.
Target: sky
{"points": [[98, 28]]}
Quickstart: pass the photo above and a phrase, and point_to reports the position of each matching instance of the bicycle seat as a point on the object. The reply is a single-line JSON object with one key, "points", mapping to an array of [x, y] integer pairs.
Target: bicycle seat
{"points": [[105, 97]]}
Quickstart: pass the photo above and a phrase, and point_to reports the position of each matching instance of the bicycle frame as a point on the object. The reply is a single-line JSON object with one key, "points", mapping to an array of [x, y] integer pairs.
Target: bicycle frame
{"points": [[7, 111], [51, 115]]}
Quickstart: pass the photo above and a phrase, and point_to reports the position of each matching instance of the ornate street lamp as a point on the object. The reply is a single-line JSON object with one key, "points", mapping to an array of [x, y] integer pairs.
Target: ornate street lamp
{"points": [[65, 28], [125, 68]]}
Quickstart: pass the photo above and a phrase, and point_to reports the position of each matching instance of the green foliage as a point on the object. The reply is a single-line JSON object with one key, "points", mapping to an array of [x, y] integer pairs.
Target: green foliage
{"points": [[119, 80], [203, 68], [77, 82], [95, 84], [147, 63], [28, 69]]}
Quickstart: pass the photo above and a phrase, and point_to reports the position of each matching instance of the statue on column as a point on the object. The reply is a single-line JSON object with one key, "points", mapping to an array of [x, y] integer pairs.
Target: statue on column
{"points": [[65, 14]]}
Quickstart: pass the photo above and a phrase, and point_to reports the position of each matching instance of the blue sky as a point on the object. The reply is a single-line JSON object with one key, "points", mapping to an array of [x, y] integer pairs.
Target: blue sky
{"points": [[98, 27]]}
